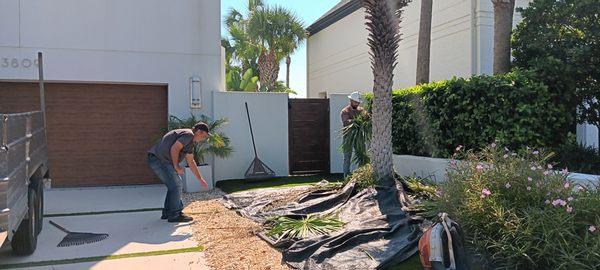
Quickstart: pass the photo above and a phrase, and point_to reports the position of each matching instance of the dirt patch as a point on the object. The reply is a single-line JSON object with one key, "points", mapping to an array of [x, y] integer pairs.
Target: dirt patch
{"points": [[230, 240]]}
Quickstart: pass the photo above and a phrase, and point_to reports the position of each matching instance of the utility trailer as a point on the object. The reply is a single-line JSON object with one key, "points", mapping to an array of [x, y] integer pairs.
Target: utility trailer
{"points": [[23, 168]]}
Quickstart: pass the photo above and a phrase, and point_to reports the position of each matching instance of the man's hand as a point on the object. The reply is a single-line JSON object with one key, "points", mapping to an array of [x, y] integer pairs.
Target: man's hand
{"points": [[179, 170]]}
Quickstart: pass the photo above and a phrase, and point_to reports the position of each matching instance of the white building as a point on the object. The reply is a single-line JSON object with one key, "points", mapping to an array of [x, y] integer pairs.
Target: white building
{"points": [[461, 45], [115, 70]]}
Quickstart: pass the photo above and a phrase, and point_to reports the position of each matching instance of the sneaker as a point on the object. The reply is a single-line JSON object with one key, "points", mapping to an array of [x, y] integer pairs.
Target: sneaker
{"points": [[181, 218]]}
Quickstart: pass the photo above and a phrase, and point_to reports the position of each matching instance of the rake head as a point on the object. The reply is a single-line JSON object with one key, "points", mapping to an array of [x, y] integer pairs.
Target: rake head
{"points": [[77, 238], [259, 170]]}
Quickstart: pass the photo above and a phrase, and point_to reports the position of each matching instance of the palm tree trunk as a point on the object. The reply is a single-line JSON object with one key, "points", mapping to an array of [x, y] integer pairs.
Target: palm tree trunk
{"points": [[269, 69], [503, 20], [288, 62], [384, 35], [424, 47]]}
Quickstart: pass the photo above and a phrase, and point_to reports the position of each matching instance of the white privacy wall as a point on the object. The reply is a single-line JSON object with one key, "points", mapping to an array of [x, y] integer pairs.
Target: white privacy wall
{"points": [[117, 41], [269, 114]]}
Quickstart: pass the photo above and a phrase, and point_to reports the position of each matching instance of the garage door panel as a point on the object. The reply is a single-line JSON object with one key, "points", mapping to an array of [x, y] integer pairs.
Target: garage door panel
{"points": [[98, 134]]}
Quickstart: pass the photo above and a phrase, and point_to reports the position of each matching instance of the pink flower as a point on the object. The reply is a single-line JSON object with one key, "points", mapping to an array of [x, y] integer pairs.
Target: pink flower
{"points": [[493, 145], [540, 167], [565, 171], [507, 185], [570, 199], [529, 179], [479, 167], [559, 202], [485, 192], [550, 167], [528, 188], [592, 229], [536, 152], [569, 209], [567, 185], [532, 168], [459, 147], [546, 173], [505, 156]]}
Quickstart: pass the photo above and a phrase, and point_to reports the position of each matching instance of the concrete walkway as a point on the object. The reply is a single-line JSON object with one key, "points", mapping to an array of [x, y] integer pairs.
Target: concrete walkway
{"points": [[137, 238]]}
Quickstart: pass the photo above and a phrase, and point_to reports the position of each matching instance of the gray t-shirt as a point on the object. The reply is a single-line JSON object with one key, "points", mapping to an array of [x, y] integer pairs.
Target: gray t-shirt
{"points": [[162, 149]]}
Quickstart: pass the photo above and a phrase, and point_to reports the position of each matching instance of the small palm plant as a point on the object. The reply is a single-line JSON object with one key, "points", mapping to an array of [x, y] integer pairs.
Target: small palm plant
{"points": [[217, 144], [311, 225], [357, 137]]}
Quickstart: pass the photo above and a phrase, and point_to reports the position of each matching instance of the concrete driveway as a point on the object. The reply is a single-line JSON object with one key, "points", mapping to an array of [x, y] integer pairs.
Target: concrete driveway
{"points": [[138, 238]]}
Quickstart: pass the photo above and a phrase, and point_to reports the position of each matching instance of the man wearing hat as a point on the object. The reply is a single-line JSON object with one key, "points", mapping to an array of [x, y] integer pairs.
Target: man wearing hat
{"points": [[164, 158], [348, 114]]}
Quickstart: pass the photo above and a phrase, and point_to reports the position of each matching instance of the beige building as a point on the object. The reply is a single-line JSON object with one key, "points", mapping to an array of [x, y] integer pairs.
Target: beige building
{"points": [[461, 45]]}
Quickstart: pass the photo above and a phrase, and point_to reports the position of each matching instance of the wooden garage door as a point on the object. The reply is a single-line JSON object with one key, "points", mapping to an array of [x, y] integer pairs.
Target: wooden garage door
{"points": [[98, 134]]}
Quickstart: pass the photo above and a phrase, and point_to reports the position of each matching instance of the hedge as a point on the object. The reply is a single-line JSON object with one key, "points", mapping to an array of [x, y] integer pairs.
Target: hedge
{"points": [[433, 119]]}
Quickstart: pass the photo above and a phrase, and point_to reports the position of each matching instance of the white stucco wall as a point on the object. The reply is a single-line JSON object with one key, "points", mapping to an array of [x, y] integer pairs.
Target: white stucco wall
{"points": [[117, 41], [269, 114], [461, 45]]}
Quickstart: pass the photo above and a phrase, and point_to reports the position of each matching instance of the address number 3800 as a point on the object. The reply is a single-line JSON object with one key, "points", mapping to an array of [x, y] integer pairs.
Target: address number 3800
{"points": [[17, 63]]}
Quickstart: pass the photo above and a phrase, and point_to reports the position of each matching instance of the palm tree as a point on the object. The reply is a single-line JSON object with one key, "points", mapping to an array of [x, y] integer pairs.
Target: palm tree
{"points": [[424, 47], [503, 20], [291, 39], [277, 31], [383, 24], [243, 50]]}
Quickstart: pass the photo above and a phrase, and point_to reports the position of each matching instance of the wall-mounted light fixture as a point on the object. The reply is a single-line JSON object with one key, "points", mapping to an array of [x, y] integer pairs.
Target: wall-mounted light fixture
{"points": [[195, 92]]}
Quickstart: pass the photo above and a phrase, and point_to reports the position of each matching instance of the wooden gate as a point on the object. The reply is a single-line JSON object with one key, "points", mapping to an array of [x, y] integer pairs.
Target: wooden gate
{"points": [[309, 136]]}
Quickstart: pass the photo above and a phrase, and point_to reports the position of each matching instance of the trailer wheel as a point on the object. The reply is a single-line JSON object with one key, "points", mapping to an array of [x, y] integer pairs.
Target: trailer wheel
{"points": [[24, 240]]}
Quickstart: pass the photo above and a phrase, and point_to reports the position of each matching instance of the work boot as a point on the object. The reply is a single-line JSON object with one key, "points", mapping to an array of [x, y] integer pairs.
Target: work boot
{"points": [[181, 218]]}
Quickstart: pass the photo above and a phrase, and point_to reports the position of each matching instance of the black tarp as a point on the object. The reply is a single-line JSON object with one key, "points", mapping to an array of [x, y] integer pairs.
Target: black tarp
{"points": [[378, 232]]}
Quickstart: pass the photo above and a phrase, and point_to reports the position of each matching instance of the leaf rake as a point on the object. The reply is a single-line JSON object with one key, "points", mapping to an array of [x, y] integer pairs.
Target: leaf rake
{"points": [[78, 238]]}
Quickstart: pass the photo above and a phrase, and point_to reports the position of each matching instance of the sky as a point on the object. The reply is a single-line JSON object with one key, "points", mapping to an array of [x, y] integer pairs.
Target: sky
{"points": [[308, 11]]}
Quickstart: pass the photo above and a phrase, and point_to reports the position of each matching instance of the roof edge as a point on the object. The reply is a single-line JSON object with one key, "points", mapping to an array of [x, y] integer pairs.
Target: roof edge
{"points": [[333, 17]]}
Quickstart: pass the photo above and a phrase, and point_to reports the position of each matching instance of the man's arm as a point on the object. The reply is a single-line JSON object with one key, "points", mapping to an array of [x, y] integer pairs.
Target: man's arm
{"points": [[192, 163], [175, 150], [346, 118]]}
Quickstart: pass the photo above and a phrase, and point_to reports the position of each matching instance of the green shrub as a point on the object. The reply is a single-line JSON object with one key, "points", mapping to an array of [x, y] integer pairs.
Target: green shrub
{"points": [[356, 137], [522, 215], [432, 119], [578, 158]]}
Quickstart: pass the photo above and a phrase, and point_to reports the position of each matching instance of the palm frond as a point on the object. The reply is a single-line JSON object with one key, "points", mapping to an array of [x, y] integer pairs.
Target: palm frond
{"points": [[312, 225]]}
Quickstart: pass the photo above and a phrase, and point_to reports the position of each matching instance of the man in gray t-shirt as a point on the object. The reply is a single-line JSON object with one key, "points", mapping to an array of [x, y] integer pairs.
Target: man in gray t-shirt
{"points": [[164, 158]]}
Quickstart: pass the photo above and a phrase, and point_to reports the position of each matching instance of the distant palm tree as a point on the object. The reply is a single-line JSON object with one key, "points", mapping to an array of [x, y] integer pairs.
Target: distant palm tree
{"points": [[383, 24], [278, 32], [424, 46], [503, 20], [291, 39]]}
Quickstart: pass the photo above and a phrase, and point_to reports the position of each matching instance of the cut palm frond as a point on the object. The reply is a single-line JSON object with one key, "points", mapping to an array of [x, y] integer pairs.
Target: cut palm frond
{"points": [[312, 225]]}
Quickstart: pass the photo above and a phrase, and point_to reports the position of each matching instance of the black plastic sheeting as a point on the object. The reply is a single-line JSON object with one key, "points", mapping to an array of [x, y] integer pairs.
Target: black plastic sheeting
{"points": [[378, 232]]}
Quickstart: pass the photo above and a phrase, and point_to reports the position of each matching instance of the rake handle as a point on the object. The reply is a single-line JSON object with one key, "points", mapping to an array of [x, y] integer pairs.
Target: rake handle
{"points": [[251, 132], [59, 227]]}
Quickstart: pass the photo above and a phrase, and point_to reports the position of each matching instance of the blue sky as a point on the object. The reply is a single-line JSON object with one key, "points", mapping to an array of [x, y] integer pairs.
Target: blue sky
{"points": [[308, 11]]}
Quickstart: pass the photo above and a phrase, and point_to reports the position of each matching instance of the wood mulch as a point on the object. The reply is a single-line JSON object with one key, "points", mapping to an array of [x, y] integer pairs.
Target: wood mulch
{"points": [[229, 240]]}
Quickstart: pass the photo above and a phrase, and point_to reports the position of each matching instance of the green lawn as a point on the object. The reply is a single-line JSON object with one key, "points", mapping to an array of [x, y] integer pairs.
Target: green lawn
{"points": [[231, 186]]}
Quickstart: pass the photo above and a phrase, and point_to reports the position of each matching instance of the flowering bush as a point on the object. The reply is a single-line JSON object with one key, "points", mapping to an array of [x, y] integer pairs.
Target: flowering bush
{"points": [[520, 212]]}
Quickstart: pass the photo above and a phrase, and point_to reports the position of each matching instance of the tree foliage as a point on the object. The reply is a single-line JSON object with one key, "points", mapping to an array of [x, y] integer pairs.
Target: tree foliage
{"points": [[560, 42]]}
